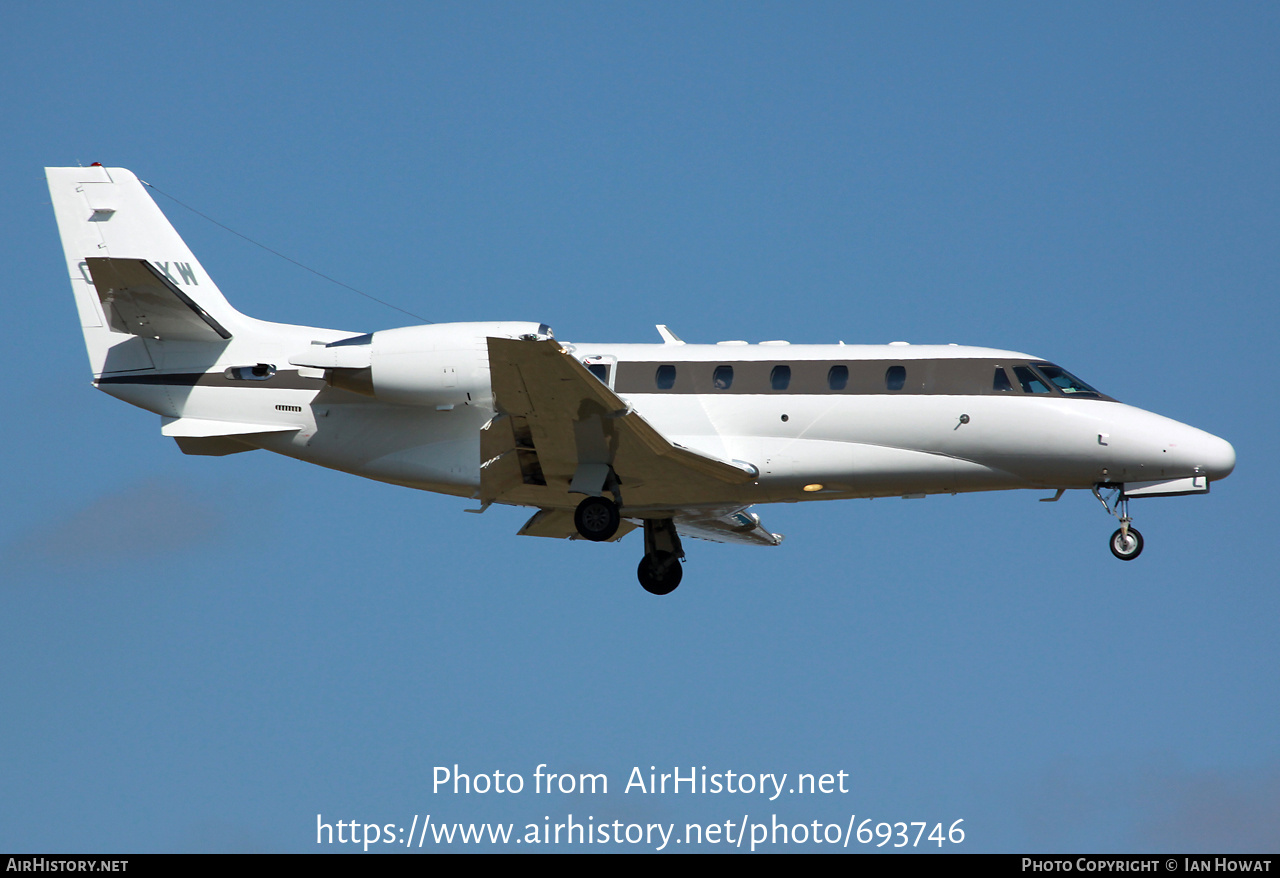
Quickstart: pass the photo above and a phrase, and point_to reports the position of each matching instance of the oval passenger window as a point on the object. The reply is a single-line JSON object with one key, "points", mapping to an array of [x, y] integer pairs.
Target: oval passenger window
{"points": [[780, 377], [838, 377], [895, 378]]}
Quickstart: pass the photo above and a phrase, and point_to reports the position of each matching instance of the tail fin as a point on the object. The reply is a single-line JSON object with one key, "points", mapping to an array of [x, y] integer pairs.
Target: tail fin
{"points": [[144, 299]]}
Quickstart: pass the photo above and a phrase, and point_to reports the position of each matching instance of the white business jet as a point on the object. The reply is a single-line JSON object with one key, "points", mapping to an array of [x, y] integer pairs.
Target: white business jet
{"points": [[677, 439]]}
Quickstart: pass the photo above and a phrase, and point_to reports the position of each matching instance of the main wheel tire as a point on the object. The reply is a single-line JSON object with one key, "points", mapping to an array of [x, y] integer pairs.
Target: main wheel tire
{"points": [[597, 519], [661, 573], [1126, 549]]}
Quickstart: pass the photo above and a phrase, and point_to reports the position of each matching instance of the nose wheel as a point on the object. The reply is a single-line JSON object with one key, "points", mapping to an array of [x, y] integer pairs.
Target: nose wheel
{"points": [[1126, 543]]}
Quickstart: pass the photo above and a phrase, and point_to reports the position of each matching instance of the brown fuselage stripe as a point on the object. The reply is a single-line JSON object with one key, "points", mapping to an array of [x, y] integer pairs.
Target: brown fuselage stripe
{"points": [[287, 379], [951, 377]]}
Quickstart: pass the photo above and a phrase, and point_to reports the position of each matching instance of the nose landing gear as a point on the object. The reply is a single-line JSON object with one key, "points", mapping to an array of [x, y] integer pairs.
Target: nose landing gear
{"points": [[1126, 542]]}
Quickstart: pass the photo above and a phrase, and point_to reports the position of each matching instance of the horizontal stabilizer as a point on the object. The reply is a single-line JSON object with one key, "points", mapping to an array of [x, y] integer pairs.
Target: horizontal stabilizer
{"points": [[139, 300], [211, 446]]}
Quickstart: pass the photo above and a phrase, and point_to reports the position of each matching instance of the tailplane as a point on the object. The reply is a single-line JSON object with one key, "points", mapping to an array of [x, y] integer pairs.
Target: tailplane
{"points": [[144, 300]]}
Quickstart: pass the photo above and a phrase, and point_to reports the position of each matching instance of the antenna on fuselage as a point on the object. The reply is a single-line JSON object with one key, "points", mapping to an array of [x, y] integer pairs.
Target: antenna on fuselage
{"points": [[282, 256]]}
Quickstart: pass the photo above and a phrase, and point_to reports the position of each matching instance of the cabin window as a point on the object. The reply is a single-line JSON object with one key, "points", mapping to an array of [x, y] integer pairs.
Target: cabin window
{"points": [[1065, 381], [895, 377], [780, 377], [1000, 383], [838, 377], [722, 379], [665, 377], [601, 371], [1030, 381]]}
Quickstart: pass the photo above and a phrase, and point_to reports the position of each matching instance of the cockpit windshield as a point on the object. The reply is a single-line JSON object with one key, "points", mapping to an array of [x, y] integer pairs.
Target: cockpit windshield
{"points": [[1069, 384]]}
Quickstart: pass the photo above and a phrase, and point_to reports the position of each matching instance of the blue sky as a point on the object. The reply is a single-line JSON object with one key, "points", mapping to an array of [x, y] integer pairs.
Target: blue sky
{"points": [[203, 654]]}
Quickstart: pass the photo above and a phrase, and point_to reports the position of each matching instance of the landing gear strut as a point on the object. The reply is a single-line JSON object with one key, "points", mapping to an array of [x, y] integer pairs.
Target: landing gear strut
{"points": [[1126, 543], [660, 571]]}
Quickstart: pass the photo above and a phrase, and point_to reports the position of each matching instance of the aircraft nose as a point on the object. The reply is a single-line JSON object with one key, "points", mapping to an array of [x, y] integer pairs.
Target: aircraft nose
{"points": [[1203, 452], [1175, 450], [1217, 457]]}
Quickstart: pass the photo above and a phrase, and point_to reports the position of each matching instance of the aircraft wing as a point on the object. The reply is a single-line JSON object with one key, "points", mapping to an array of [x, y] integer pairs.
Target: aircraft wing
{"points": [[560, 433], [738, 526], [716, 526], [558, 524]]}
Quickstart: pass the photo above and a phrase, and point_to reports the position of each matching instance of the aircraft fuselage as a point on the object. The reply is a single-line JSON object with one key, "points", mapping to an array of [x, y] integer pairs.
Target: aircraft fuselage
{"points": [[944, 429]]}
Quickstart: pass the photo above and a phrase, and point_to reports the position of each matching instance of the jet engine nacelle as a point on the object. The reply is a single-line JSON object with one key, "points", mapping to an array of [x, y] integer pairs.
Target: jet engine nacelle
{"points": [[442, 365]]}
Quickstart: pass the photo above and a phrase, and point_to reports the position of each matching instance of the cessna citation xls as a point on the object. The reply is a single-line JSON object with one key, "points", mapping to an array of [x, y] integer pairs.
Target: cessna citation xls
{"points": [[677, 439]]}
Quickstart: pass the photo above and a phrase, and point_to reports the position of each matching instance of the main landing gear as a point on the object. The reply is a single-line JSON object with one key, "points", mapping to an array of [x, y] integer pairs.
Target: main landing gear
{"points": [[597, 519], [660, 571], [1126, 542]]}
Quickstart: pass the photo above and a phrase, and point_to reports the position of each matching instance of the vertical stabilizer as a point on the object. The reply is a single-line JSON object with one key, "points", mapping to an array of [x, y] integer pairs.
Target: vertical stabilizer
{"points": [[144, 300]]}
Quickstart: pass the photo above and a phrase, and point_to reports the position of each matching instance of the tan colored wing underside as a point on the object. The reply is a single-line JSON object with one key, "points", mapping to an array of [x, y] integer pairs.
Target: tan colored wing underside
{"points": [[556, 421]]}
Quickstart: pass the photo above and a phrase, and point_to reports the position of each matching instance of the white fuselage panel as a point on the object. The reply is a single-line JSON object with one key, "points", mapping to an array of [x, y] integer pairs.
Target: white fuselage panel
{"points": [[847, 444]]}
